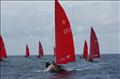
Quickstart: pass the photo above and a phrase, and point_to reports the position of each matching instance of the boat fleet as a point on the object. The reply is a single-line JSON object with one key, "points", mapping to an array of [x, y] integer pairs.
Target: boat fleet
{"points": [[64, 50]]}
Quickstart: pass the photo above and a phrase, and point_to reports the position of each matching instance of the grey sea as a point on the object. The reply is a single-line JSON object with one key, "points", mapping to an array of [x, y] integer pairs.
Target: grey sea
{"points": [[19, 67]]}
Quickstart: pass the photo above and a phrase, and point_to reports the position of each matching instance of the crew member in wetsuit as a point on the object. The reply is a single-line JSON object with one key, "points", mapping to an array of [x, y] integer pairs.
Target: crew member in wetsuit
{"points": [[47, 64], [57, 68]]}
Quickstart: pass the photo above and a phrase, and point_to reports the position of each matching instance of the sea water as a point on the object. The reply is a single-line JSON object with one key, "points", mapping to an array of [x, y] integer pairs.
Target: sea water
{"points": [[19, 67]]}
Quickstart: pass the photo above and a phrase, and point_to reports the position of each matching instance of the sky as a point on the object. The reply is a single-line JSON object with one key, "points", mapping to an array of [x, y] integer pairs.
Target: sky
{"points": [[28, 22]]}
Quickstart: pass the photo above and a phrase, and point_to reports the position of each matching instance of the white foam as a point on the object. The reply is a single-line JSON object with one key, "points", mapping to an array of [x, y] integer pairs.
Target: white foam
{"points": [[39, 71], [75, 69], [67, 69]]}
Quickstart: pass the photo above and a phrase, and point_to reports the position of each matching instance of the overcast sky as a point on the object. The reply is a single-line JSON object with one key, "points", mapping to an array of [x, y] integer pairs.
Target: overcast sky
{"points": [[28, 22]]}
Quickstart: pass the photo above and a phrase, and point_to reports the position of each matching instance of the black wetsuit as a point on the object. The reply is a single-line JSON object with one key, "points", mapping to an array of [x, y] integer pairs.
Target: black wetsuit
{"points": [[47, 64]]}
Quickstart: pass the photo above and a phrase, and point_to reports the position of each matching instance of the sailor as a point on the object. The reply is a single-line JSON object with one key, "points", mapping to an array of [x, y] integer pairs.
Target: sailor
{"points": [[47, 64], [54, 67], [49, 67], [58, 68]]}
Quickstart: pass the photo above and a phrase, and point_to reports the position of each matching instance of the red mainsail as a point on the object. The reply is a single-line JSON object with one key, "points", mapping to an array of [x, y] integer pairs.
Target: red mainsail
{"points": [[85, 51], [27, 51], [40, 50], [63, 37], [3, 53], [94, 46]]}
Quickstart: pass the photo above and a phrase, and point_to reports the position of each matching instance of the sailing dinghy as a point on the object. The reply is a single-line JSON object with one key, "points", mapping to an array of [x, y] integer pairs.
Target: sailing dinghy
{"points": [[40, 51], [64, 51], [3, 53], [27, 51], [64, 46], [94, 46], [85, 51]]}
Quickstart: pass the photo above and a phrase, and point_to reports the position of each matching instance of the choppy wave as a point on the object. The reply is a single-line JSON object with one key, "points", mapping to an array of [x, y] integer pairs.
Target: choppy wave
{"points": [[18, 67]]}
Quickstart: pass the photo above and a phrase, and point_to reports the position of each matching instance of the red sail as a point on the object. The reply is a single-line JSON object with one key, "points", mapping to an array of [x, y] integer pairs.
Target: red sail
{"points": [[27, 51], [3, 53], [63, 37], [40, 50], [94, 46], [85, 51]]}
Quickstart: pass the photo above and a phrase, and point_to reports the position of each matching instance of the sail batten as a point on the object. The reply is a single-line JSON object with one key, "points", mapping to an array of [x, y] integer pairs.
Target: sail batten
{"points": [[64, 50]]}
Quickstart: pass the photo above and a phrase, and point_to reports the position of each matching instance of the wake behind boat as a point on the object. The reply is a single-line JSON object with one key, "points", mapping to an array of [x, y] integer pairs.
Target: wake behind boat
{"points": [[65, 69]]}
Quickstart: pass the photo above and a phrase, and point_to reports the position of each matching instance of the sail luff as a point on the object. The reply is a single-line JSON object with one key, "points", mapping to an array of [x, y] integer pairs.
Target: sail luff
{"points": [[94, 45], [63, 37]]}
